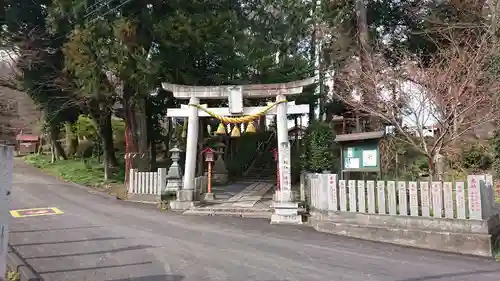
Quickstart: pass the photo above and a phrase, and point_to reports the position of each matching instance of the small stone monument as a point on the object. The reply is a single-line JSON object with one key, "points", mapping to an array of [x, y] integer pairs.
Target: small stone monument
{"points": [[174, 175], [220, 174]]}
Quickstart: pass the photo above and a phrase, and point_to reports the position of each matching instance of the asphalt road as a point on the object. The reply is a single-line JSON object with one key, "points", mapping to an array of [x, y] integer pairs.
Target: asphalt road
{"points": [[98, 238]]}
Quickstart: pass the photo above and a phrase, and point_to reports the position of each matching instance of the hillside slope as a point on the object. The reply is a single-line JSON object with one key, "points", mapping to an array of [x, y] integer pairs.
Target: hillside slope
{"points": [[17, 113], [17, 110]]}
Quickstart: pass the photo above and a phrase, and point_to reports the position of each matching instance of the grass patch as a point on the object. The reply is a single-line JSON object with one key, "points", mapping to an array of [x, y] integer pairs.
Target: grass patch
{"points": [[88, 172], [12, 275]]}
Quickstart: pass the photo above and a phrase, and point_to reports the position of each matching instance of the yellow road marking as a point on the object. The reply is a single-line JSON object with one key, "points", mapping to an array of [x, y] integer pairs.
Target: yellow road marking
{"points": [[35, 212]]}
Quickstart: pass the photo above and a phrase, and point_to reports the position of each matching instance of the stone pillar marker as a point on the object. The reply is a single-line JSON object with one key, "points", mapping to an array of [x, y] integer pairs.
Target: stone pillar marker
{"points": [[284, 193], [460, 194], [437, 199], [381, 197], [448, 199], [424, 199], [370, 187], [361, 196], [285, 210], [391, 197], [332, 193], [352, 196], [403, 201], [413, 198], [343, 195]]}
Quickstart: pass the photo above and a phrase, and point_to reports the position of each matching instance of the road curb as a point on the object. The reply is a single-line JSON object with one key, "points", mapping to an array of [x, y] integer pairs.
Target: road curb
{"points": [[93, 190], [16, 263]]}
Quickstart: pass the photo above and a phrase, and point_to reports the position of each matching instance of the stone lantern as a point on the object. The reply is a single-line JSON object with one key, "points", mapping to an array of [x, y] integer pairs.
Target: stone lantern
{"points": [[220, 174], [174, 175]]}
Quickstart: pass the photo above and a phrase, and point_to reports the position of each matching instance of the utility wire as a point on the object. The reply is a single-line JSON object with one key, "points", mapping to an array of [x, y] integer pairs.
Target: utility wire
{"points": [[117, 7], [96, 7], [100, 6]]}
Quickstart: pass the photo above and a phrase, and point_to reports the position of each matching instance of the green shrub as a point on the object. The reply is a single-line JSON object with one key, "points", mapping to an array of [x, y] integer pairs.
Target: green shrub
{"points": [[86, 128], [320, 153], [87, 132], [118, 133], [475, 158], [495, 147]]}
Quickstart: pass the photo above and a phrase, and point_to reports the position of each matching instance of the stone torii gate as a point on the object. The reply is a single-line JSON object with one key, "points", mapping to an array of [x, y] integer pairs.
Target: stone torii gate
{"points": [[235, 95]]}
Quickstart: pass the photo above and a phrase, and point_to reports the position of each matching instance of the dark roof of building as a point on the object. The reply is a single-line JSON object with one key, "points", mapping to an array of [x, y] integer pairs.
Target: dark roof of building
{"points": [[360, 136], [30, 138]]}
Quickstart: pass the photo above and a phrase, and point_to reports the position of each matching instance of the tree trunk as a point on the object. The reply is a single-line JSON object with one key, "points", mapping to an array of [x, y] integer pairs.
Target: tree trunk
{"points": [[367, 87], [57, 150], [102, 117], [53, 157], [432, 167], [135, 122], [71, 140], [105, 165], [106, 134], [142, 133], [152, 149], [312, 57]]}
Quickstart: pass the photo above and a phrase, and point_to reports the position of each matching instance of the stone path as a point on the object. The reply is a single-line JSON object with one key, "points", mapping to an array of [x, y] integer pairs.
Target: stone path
{"points": [[249, 196], [243, 199]]}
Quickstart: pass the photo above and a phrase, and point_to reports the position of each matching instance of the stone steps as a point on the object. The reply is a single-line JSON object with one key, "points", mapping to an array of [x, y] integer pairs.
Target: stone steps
{"points": [[263, 214]]}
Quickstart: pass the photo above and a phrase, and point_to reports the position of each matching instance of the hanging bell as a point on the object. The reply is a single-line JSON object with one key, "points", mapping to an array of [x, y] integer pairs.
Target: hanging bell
{"points": [[250, 128], [235, 132], [221, 130]]}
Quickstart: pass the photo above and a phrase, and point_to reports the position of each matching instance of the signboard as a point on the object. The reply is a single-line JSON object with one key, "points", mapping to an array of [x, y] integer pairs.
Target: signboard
{"points": [[362, 156], [370, 158], [352, 163], [236, 100]]}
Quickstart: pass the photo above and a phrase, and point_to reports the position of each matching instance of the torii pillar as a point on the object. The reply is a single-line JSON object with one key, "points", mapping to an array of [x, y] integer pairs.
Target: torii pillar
{"points": [[235, 95]]}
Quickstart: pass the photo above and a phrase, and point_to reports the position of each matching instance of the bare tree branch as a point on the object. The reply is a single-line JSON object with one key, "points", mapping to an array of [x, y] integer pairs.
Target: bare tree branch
{"points": [[452, 97]]}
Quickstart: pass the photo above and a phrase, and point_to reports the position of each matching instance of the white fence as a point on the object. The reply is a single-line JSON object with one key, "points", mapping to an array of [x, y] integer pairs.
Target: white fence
{"points": [[149, 183], [460, 200], [154, 183], [6, 163]]}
